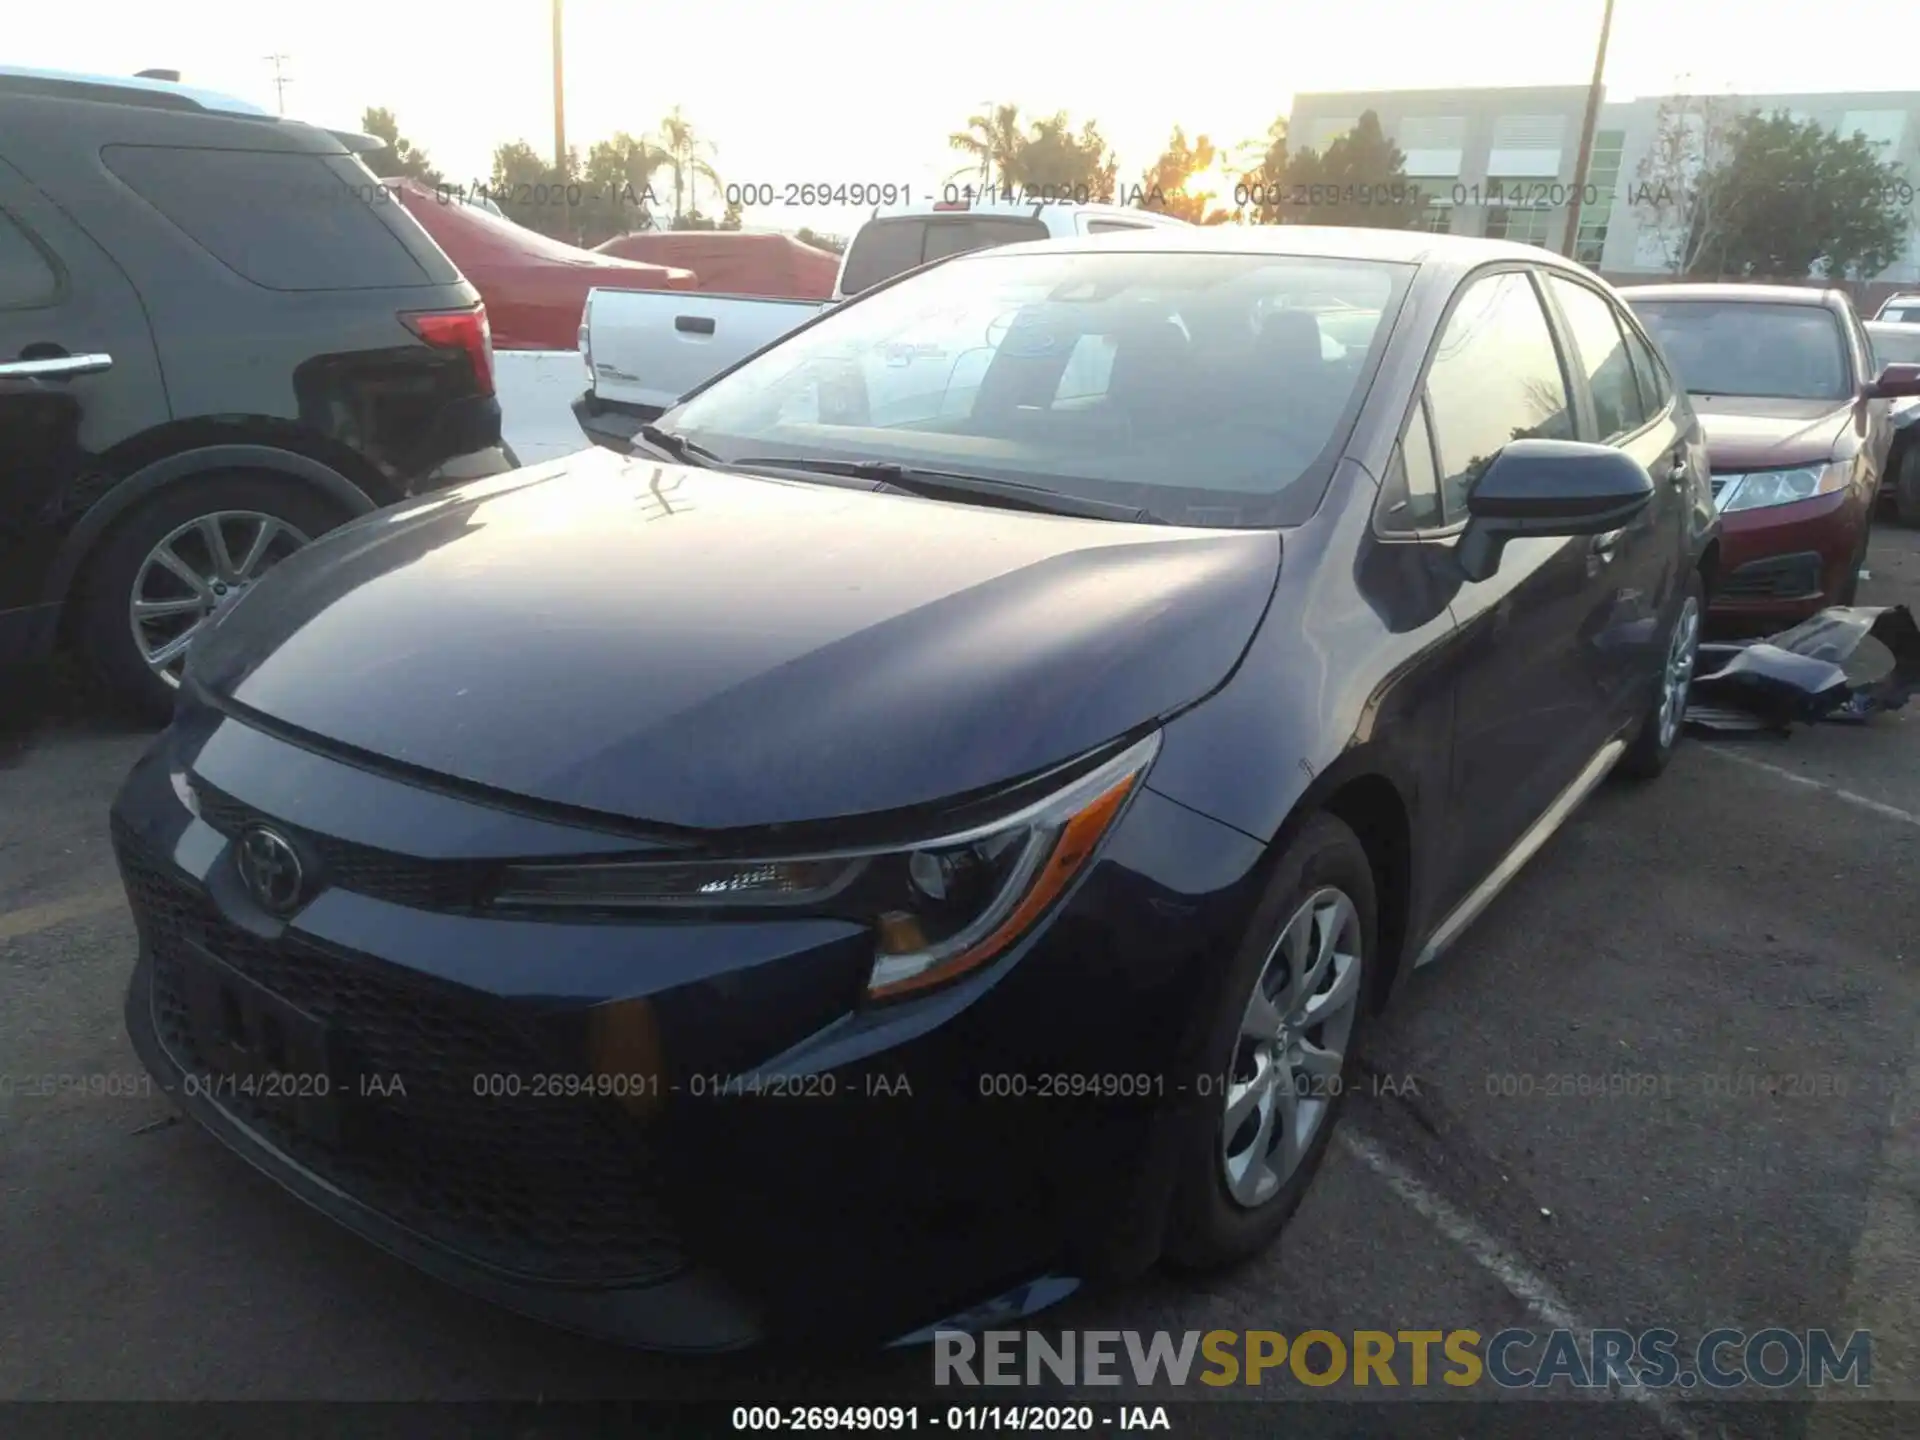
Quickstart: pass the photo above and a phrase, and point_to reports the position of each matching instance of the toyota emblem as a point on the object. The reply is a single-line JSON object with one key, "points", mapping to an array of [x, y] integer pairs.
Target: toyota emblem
{"points": [[270, 869]]}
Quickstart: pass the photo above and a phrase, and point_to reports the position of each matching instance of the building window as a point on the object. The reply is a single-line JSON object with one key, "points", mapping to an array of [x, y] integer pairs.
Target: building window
{"points": [[1437, 190], [1520, 209], [1436, 220], [1596, 206]]}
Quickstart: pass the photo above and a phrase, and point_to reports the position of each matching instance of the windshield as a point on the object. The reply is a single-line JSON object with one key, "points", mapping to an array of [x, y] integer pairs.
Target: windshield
{"points": [[1208, 389], [1738, 347], [1895, 344]]}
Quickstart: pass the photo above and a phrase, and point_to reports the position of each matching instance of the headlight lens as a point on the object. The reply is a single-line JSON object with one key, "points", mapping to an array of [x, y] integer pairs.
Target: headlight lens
{"points": [[938, 910], [1761, 488]]}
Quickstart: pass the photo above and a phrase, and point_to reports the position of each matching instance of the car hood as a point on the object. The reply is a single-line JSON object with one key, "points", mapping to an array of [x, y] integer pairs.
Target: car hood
{"points": [[1749, 433], [693, 648]]}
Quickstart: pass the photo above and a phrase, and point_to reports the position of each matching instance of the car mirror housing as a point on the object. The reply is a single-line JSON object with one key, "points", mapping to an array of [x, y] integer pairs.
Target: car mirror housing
{"points": [[1549, 487], [1899, 381]]}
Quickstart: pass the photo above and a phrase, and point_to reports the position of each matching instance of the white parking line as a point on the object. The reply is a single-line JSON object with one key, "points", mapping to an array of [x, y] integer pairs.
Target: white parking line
{"points": [[1892, 812], [1526, 1285], [35, 918]]}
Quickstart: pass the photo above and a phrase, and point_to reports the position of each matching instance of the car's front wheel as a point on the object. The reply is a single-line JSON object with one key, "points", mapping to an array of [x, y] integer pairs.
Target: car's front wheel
{"points": [[1650, 750], [1279, 1052], [177, 561]]}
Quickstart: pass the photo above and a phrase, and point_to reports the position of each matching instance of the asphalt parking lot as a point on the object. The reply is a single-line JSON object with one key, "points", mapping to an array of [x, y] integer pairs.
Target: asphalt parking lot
{"points": [[1746, 932]]}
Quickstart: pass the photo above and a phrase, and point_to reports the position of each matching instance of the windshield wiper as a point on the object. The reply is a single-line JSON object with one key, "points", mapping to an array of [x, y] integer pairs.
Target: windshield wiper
{"points": [[677, 447], [957, 485]]}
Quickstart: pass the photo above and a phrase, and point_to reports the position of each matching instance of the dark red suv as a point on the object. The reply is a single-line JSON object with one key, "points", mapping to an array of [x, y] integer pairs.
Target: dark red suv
{"points": [[1798, 434]]}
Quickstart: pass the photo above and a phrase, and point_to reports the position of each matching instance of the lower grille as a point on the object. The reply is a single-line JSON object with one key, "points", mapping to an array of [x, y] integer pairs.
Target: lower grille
{"points": [[555, 1189], [1778, 577]]}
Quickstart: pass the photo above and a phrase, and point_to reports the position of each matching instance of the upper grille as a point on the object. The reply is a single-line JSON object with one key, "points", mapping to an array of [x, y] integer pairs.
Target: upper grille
{"points": [[383, 874], [549, 1188]]}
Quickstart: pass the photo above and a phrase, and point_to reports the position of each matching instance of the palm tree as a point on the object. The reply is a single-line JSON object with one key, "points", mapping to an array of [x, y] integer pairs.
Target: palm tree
{"points": [[994, 139], [686, 153]]}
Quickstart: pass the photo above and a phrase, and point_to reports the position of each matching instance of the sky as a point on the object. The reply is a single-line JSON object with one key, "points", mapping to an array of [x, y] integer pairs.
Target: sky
{"points": [[848, 91]]}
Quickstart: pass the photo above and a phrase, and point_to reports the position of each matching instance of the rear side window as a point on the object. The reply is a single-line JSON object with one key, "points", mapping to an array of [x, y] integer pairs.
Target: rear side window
{"points": [[886, 248], [882, 250], [26, 279], [977, 232], [284, 221], [1617, 406], [1108, 227]]}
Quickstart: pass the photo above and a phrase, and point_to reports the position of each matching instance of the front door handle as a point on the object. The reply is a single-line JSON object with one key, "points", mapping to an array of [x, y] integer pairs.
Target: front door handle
{"points": [[1677, 471], [1605, 545], [55, 367]]}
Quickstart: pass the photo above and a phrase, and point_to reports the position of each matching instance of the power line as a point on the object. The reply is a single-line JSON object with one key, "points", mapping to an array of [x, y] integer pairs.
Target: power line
{"points": [[280, 80]]}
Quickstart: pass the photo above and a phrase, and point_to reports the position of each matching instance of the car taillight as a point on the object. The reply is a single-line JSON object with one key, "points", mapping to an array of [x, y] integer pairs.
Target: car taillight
{"points": [[459, 330]]}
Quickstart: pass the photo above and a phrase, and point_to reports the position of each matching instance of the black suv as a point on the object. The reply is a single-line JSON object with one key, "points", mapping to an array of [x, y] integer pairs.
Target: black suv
{"points": [[218, 338]]}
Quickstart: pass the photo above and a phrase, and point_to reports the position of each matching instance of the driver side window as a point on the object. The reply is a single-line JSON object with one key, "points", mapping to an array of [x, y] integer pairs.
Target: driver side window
{"points": [[1496, 377]]}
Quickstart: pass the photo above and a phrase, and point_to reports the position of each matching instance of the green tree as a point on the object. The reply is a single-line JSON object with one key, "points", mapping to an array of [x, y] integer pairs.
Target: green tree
{"points": [[1262, 186], [993, 139], [1360, 180], [730, 219], [401, 157], [1167, 185], [1795, 199], [1056, 161], [532, 191], [687, 153], [617, 187]]}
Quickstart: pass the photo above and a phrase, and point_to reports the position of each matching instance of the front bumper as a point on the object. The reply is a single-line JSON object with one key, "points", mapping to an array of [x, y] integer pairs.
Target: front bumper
{"points": [[1783, 563], [678, 1220]]}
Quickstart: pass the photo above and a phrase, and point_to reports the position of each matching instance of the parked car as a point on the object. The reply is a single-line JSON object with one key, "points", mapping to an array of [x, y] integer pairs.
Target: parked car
{"points": [[1903, 309], [534, 286], [1798, 425], [1899, 344], [644, 352], [736, 262], [844, 867], [214, 346]]}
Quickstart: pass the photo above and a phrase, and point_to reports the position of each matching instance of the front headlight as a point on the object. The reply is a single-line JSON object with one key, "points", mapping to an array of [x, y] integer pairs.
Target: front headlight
{"points": [[938, 909], [1760, 488]]}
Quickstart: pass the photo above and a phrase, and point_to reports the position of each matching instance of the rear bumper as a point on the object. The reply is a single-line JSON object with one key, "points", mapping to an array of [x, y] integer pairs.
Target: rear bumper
{"points": [[609, 425], [467, 445]]}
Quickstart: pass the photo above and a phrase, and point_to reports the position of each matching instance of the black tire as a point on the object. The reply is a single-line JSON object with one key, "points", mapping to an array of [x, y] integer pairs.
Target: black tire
{"points": [[1650, 751], [1849, 592], [1207, 1227], [1906, 489], [103, 630]]}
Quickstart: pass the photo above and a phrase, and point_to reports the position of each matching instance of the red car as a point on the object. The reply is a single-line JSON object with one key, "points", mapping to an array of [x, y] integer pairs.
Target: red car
{"points": [[1797, 432], [736, 262], [535, 287]]}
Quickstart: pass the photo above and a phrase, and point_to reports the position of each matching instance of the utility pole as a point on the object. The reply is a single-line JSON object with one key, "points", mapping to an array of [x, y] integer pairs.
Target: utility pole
{"points": [[559, 93], [1586, 135], [280, 81]]}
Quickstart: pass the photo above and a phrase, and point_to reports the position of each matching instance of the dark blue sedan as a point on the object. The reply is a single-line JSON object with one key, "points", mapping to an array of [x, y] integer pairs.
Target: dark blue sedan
{"points": [[932, 825]]}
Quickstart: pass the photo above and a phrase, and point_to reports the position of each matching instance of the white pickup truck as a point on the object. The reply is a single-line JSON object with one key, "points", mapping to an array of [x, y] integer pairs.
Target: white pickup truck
{"points": [[645, 349]]}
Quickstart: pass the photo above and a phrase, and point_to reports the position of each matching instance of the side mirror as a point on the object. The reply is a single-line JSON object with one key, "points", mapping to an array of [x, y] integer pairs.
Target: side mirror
{"points": [[1895, 382], [1548, 487]]}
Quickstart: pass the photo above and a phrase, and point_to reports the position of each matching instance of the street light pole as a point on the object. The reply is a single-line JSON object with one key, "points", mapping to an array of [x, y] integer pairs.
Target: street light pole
{"points": [[560, 93], [1586, 135]]}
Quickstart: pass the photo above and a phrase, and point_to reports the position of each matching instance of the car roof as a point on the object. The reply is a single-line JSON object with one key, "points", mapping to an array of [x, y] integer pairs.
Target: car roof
{"points": [[124, 89], [1752, 294], [1328, 242]]}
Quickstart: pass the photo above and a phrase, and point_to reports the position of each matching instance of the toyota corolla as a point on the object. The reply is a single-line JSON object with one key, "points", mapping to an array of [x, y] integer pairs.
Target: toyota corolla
{"points": [[933, 825]]}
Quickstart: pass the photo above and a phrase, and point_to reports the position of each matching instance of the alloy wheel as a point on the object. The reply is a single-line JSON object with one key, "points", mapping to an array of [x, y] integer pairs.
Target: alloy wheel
{"points": [[1288, 1061], [197, 573], [1682, 650]]}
